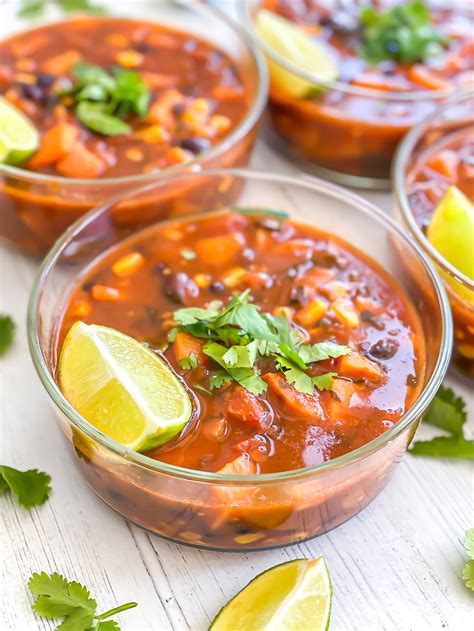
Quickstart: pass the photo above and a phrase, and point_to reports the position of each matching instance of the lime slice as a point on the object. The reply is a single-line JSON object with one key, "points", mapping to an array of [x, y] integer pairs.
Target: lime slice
{"points": [[451, 232], [290, 42], [289, 597], [122, 388], [18, 136]]}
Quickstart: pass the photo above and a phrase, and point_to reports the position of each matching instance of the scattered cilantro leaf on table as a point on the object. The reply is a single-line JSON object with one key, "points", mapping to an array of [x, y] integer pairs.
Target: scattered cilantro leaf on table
{"points": [[7, 331], [32, 9], [447, 411], [31, 488], [468, 570], [59, 598], [402, 32]]}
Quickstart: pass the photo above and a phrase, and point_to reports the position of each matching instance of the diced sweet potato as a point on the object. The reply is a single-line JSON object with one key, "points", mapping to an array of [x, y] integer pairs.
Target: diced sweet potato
{"points": [[357, 366], [61, 64], [292, 402], [220, 250], [239, 466], [422, 75], [81, 163], [185, 344], [245, 407], [161, 110], [56, 143], [445, 162]]}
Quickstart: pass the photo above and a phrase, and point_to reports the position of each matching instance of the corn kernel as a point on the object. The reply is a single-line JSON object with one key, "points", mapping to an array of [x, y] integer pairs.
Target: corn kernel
{"points": [[129, 58], [82, 309], [201, 105], [335, 289], [310, 314], [345, 312], [24, 77], [117, 40], [178, 155], [154, 134], [134, 154], [233, 277], [190, 117], [220, 123], [60, 113], [128, 264], [101, 293], [202, 280], [67, 101], [25, 65], [173, 234]]}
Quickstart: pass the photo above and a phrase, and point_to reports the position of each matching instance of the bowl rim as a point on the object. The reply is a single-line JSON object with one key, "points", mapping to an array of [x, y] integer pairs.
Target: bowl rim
{"points": [[306, 182], [248, 122], [244, 10], [401, 160]]}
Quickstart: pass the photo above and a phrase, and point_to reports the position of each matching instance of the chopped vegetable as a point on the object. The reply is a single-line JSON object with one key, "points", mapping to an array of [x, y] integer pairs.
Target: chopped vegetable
{"points": [[55, 144], [56, 597], [31, 488], [7, 330]]}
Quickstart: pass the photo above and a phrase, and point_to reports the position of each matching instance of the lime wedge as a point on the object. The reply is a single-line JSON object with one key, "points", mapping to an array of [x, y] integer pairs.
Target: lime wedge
{"points": [[451, 232], [289, 597], [290, 42], [122, 388], [18, 136]]}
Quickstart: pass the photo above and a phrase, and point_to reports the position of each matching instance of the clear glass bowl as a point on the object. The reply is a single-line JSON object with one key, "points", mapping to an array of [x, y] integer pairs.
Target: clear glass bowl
{"points": [[451, 120], [36, 208], [220, 511], [346, 134]]}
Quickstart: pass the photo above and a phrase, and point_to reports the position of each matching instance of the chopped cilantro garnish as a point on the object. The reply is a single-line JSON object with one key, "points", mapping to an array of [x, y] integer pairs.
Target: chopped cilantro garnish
{"points": [[188, 254], [103, 98], [33, 9], [188, 363], [238, 336], [31, 488], [468, 570], [446, 411], [60, 598], [403, 32], [7, 328]]}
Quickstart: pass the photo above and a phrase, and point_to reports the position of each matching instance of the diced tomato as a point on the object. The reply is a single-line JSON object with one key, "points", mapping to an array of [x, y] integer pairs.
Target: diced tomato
{"points": [[81, 163], [292, 402], [245, 407], [55, 145], [185, 344], [221, 250], [445, 162], [357, 366]]}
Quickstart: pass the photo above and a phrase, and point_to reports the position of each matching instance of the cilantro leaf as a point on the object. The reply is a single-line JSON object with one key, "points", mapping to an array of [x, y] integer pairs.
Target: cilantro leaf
{"points": [[469, 542], [32, 9], [31, 488], [94, 117], [192, 315], [219, 379], [188, 363], [444, 447], [246, 377], [241, 356], [447, 411], [324, 382], [188, 254], [403, 32], [294, 375], [7, 328], [322, 351], [60, 598], [468, 574]]}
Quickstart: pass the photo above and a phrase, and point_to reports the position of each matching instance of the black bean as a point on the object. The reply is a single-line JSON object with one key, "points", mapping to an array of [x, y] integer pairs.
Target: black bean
{"points": [[370, 318], [32, 92], [217, 287], [412, 381], [195, 144], [299, 295], [143, 47], [384, 349], [179, 287], [178, 109], [45, 80], [269, 224], [160, 268]]}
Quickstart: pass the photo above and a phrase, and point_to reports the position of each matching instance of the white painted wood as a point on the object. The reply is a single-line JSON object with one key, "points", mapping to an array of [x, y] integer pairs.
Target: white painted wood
{"points": [[395, 567]]}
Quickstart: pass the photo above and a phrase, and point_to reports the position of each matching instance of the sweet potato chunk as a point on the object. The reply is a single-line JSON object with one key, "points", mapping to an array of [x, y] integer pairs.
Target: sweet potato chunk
{"points": [[55, 145], [245, 407], [357, 366], [220, 250], [81, 163], [292, 402], [185, 344]]}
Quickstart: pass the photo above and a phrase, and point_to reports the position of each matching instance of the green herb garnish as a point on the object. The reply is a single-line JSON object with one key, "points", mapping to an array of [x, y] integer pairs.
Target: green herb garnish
{"points": [[468, 570], [102, 99], [403, 32], [7, 329], [188, 254], [33, 9], [188, 363], [60, 598], [239, 336], [31, 488], [446, 411]]}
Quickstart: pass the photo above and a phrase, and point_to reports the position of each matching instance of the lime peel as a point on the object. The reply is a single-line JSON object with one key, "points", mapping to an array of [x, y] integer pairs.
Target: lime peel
{"points": [[19, 138]]}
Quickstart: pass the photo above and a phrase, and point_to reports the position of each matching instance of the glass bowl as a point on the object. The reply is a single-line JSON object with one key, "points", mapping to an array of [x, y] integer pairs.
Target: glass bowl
{"points": [[219, 511], [36, 208], [449, 122], [346, 134]]}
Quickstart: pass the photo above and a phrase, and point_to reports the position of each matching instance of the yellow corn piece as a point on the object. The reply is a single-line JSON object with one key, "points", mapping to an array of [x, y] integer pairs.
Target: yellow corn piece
{"points": [[233, 277], [220, 123], [128, 264], [25, 77], [466, 350], [310, 314], [81, 309], [202, 280], [154, 134], [134, 154], [129, 58], [345, 312], [335, 289], [102, 293], [25, 65]]}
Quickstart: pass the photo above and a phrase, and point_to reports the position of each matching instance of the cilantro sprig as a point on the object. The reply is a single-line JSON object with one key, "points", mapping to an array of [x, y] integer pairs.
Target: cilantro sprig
{"points": [[403, 32], [31, 488], [33, 9], [238, 336], [57, 597], [468, 570], [7, 330], [447, 411], [102, 99]]}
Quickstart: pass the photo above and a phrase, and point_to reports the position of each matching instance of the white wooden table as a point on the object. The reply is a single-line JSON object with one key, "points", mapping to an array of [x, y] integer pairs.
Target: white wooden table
{"points": [[395, 567]]}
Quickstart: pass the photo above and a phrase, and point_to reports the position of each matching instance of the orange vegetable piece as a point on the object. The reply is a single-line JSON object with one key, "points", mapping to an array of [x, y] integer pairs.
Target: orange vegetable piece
{"points": [[55, 144], [245, 407], [427, 78], [161, 110], [157, 81], [445, 162], [292, 402], [61, 64], [185, 344], [221, 250], [240, 466], [102, 293], [81, 163], [357, 366]]}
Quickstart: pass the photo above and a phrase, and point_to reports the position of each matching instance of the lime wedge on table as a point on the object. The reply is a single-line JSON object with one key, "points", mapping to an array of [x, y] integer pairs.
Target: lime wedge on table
{"points": [[19, 138], [122, 388], [291, 42], [451, 233], [289, 597]]}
